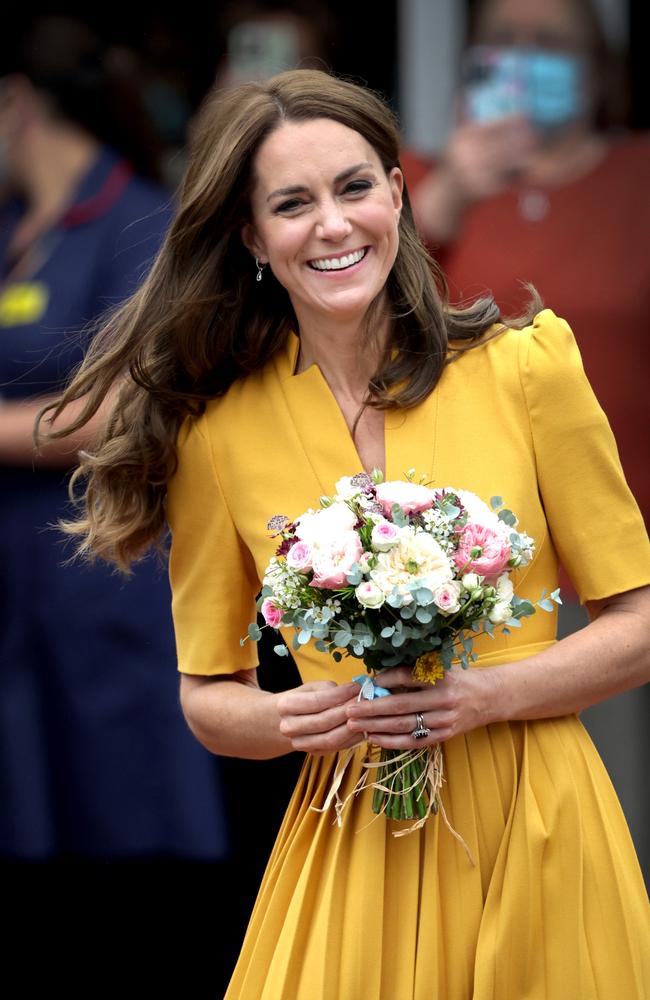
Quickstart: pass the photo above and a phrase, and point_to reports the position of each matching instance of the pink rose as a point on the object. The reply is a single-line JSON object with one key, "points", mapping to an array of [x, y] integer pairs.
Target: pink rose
{"points": [[411, 497], [494, 552], [335, 558], [447, 597], [271, 613], [299, 557], [384, 536]]}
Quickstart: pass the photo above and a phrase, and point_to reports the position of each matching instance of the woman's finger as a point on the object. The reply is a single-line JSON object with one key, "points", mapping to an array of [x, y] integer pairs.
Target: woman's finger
{"points": [[400, 724], [309, 699], [339, 738], [418, 700], [292, 725]]}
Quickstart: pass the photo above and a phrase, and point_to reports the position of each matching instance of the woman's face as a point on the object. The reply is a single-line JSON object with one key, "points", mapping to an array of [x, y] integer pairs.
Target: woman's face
{"points": [[324, 217], [549, 24]]}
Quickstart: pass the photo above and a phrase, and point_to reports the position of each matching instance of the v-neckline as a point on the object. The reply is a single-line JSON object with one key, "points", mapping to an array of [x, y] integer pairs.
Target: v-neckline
{"points": [[409, 435]]}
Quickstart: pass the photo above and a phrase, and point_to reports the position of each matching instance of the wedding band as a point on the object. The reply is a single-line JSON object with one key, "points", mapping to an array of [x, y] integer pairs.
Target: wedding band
{"points": [[420, 732]]}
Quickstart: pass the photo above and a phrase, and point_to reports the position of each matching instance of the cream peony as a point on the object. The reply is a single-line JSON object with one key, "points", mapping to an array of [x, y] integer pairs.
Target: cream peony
{"points": [[416, 557]]}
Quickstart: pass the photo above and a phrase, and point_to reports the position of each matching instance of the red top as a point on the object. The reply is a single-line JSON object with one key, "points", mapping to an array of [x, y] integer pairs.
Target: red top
{"points": [[586, 247]]}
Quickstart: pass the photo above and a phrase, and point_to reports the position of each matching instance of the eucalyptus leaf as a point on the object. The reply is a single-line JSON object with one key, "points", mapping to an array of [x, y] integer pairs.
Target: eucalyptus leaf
{"points": [[281, 650]]}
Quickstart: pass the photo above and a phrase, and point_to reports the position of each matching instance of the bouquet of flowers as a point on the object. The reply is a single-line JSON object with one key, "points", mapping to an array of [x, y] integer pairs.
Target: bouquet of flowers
{"points": [[396, 574]]}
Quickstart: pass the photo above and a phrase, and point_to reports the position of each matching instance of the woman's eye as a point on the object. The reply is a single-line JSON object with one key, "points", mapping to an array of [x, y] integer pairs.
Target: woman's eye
{"points": [[289, 206], [357, 187]]}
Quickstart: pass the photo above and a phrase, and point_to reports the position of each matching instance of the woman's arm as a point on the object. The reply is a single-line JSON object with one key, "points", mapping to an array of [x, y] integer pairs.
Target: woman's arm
{"points": [[232, 716], [610, 655], [17, 420], [480, 161]]}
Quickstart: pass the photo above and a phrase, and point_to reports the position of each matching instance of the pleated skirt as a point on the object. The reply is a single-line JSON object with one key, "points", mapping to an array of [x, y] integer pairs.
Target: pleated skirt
{"points": [[553, 908]]}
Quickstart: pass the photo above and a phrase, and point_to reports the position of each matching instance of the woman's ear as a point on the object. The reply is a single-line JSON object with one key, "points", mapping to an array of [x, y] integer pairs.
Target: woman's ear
{"points": [[396, 182], [252, 243]]}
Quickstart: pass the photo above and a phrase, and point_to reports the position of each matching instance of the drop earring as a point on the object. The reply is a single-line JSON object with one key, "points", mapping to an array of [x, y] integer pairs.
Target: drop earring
{"points": [[259, 269]]}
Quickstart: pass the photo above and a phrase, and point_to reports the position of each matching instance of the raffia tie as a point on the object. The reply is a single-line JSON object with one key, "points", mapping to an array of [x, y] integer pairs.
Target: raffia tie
{"points": [[430, 780]]}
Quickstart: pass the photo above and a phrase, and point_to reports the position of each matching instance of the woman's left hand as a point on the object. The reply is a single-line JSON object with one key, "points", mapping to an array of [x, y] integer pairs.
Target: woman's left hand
{"points": [[457, 703]]}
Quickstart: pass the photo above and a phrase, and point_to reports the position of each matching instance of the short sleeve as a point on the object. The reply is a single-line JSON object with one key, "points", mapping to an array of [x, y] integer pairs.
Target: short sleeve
{"points": [[212, 574], [593, 518]]}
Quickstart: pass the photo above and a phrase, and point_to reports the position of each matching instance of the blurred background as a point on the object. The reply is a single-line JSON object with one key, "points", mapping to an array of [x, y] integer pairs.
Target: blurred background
{"points": [[548, 157]]}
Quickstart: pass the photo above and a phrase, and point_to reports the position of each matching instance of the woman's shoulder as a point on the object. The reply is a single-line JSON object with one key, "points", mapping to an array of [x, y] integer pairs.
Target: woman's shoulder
{"points": [[504, 342], [517, 365]]}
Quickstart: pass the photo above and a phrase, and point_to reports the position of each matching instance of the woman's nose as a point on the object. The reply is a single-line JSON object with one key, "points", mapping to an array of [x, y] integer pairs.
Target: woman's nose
{"points": [[332, 223]]}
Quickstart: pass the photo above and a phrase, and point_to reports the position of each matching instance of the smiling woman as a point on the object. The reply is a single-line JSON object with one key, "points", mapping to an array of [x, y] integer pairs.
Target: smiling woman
{"points": [[241, 398]]}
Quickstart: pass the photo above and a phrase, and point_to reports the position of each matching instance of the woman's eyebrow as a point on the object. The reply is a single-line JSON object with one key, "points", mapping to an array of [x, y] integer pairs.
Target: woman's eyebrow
{"points": [[300, 188]]}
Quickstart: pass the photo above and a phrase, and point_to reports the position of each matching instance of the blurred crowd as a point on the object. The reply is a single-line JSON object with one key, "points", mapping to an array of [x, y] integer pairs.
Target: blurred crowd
{"points": [[540, 181]]}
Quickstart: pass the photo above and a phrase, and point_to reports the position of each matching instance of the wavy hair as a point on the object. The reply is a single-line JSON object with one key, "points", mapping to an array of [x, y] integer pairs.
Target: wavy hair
{"points": [[197, 322]]}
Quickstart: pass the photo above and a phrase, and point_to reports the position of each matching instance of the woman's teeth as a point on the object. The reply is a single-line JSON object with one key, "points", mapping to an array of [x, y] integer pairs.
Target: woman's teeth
{"points": [[338, 263]]}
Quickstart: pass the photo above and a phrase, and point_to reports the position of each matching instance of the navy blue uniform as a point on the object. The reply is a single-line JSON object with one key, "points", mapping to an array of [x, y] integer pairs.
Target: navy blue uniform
{"points": [[95, 756]]}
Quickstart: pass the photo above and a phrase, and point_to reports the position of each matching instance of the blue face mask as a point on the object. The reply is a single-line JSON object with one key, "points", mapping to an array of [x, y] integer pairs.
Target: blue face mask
{"points": [[547, 87]]}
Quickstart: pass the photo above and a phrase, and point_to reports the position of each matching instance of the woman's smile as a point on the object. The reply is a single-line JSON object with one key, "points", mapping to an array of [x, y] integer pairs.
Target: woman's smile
{"points": [[339, 262]]}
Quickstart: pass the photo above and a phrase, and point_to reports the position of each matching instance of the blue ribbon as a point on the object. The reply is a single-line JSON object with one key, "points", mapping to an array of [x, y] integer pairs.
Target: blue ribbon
{"points": [[369, 688]]}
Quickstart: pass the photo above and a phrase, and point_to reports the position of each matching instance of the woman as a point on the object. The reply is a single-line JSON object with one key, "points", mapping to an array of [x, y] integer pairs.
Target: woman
{"points": [[272, 362], [97, 759], [561, 183]]}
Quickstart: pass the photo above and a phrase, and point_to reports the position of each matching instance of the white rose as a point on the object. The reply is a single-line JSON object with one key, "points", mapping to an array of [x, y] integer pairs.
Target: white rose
{"points": [[500, 613], [369, 595], [344, 488], [364, 562], [505, 589], [471, 581]]}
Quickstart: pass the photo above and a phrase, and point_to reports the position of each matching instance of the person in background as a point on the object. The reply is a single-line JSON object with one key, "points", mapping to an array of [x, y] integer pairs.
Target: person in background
{"points": [[536, 182], [97, 760], [540, 182]]}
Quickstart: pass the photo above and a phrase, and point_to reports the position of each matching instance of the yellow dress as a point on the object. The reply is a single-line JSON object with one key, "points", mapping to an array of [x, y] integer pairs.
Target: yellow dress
{"points": [[555, 907]]}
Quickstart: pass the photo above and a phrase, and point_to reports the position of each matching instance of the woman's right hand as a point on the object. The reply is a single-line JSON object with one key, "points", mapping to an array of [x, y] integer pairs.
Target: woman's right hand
{"points": [[485, 157], [481, 160], [313, 716]]}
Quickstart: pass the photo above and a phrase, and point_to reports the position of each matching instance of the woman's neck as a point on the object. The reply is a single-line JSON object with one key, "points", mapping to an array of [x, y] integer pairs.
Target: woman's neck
{"points": [[566, 158], [53, 162], [346, 356]]}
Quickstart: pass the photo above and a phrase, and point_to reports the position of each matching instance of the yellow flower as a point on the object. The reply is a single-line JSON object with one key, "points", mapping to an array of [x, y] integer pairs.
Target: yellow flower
{"points": [[429, 668]]}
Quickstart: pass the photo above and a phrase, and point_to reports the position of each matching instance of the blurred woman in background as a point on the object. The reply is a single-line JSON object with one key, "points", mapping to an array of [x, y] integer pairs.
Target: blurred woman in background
{"points": [[97, 759]]}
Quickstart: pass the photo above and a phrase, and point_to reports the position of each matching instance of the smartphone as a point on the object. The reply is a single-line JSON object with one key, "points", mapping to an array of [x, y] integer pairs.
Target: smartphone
{"points": [[545, 86], [259, 49]]}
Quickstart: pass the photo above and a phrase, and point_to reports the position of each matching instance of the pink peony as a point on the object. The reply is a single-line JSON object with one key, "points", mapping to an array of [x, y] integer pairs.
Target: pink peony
{"points": [[299, 557], [411, 497], [333, 559], [494, 552], [271, 613]]}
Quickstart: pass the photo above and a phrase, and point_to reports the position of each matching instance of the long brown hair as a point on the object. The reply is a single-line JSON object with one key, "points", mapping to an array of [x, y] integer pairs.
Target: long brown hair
{"points": [[198, 321]]}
